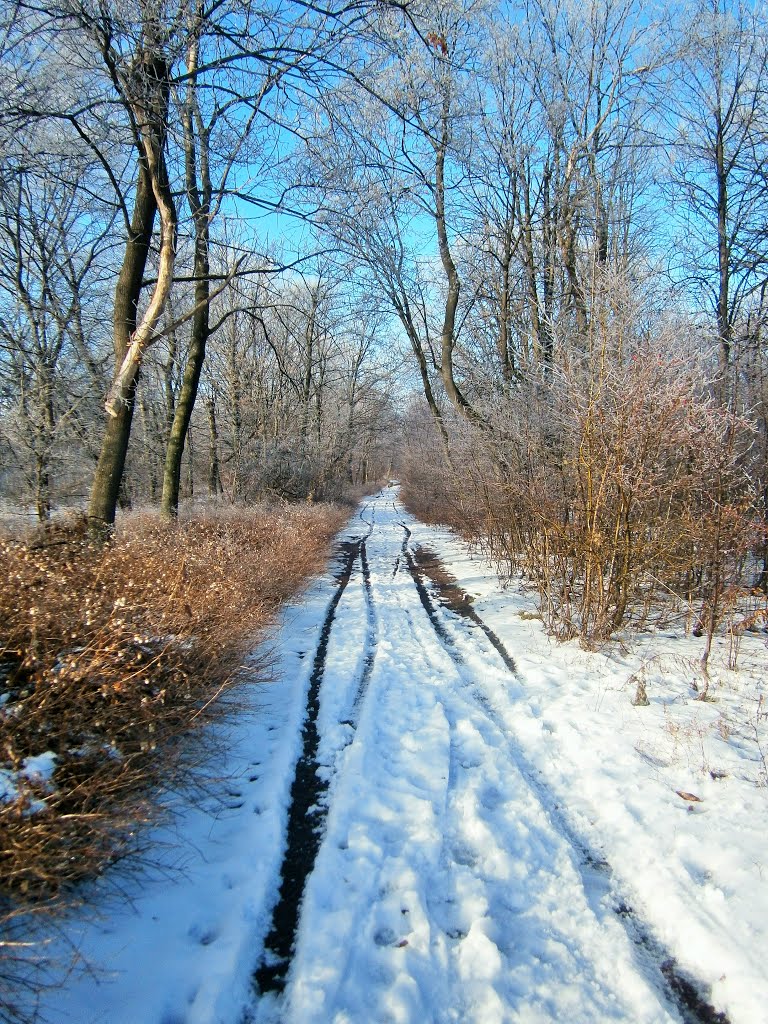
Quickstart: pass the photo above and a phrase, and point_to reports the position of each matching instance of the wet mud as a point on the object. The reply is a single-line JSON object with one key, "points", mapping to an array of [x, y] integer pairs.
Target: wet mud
{"points": [[308, 807], [451, 596]]}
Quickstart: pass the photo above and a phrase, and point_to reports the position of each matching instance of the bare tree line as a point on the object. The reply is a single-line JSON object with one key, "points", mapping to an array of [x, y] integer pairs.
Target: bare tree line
{"points": [[130, 133]]}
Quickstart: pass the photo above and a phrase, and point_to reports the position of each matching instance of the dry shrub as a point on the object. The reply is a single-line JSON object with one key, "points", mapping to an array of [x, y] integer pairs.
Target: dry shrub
{"points": [[109, 654], [433, 488], [642, 488], [611, 482]]}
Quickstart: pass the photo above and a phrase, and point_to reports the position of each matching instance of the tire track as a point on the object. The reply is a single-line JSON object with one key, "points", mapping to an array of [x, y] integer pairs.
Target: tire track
{"points": [[308, 807], [681, 991], [370, 639], [426, 602]]}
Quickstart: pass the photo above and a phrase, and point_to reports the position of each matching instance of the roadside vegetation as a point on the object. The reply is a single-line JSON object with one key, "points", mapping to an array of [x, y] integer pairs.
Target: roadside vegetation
{"points": [[112, 658], [621, 489]]}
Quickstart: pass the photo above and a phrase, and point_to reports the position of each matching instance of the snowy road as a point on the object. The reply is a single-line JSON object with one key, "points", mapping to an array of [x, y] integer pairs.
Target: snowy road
{"points": [[443, 889], [402, 838]]}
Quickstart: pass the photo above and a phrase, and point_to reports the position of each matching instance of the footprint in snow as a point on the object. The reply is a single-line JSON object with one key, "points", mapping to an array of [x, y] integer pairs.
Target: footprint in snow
{"points": [[490, 798], [464, 855], [174, 1017], [389, 937], [204, 934]]}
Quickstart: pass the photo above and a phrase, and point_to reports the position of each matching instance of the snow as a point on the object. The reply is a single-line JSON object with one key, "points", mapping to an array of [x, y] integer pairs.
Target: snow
{"points": [[8, 787], [498, 847], [38, 769]]}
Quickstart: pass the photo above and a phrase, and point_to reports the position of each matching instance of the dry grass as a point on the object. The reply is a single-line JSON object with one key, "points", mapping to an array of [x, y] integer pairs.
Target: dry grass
{"points": [[109, 654]]}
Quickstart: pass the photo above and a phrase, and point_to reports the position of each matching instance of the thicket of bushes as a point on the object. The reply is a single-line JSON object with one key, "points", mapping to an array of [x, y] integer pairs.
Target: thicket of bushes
{"points": [[109, 655], [620, 484]]}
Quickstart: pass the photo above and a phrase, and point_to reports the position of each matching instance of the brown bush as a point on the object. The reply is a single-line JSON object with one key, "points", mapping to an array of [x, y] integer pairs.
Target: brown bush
{"points": [[618, 485], [108, 654]]}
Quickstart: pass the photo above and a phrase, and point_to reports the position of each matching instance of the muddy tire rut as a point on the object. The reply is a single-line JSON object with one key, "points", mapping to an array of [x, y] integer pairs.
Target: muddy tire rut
{"points": [[308, 808]]}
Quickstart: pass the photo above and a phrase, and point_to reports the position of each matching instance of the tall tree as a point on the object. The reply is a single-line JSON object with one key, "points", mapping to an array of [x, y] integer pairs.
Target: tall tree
{"points": [[52, 251], [719, 111]]}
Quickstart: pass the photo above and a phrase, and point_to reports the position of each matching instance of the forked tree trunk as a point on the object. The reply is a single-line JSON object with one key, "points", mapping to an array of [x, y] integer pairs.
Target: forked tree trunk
{"points": [[149, 109], [109, 469]]}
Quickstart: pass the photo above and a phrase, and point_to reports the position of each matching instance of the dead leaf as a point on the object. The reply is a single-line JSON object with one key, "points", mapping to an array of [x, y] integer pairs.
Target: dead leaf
{"points": [[688, 796]]}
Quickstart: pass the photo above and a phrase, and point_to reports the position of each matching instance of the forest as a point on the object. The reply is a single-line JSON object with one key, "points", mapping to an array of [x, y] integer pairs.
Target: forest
{"points": [[266, 254], [517, 249]]}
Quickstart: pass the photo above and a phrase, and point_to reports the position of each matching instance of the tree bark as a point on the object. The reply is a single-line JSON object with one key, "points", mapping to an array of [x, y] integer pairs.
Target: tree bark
{"points": [[567, 239], [196, 162], [109, 469], [448, 331], [724, 329], [200, 331], [309, 361], [214, 472], [146, 95]]}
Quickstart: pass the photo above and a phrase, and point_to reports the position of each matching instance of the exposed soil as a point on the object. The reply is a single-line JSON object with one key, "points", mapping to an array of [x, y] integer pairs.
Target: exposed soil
{"points": [[308, 807], [450, 595], [694, 1009]]}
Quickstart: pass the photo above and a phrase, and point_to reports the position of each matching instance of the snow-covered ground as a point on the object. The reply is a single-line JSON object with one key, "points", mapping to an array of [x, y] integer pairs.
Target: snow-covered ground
{"points": [[497, 846]]}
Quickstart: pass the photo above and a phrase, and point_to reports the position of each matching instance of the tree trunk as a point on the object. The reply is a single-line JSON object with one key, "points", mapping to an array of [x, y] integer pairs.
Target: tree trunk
{"points": [[506, 358], [147, 95], [448, 331], [309, 361], [567, 239], [541, 348], [109, 469], [214, 472], [196, 159], [169, 504], [42, 488], [149, 453], [190, 450], [723, 256]]}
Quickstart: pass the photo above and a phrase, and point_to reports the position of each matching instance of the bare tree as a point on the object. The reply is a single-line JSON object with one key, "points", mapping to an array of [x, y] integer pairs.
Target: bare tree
{"points": [[52, 251], [719, 106]]}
